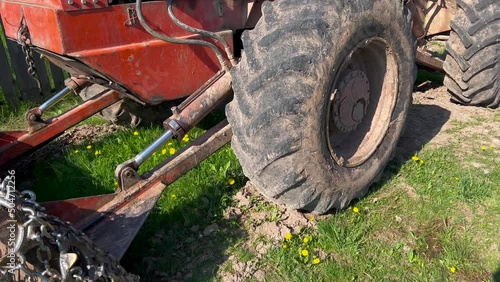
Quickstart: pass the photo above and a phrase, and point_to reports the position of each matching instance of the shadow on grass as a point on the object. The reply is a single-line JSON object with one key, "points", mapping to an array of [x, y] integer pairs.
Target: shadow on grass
{"points": [[496, 275], [423, 123], [186, 243]]}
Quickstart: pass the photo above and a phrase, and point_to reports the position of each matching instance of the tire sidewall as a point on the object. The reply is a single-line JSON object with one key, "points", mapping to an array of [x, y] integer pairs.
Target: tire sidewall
{"points": [[354, 182]]}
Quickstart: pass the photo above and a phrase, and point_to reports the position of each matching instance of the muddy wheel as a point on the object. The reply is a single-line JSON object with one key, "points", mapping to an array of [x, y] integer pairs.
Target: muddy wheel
{"points": [[321, 96], [128, 112], [473, 51]]}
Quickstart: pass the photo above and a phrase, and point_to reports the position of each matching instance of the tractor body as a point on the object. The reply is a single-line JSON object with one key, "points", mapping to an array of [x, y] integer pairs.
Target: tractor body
{"points": [[160, 51]]}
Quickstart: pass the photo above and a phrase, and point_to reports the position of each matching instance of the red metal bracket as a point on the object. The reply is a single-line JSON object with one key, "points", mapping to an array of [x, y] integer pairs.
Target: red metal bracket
{"points": [[15, 143]]}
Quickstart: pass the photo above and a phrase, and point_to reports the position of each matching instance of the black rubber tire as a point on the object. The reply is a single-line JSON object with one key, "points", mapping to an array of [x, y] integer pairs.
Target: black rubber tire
{"points": [[472, 63], [128, 112], [281, 91]]}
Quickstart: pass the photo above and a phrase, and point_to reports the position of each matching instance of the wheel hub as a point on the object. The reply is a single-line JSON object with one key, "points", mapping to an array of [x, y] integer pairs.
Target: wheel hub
{"points": [[351, 100]]}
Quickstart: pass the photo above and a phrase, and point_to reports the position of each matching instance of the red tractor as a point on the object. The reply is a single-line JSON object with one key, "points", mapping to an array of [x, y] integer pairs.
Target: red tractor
{"points": [[320, 93]]}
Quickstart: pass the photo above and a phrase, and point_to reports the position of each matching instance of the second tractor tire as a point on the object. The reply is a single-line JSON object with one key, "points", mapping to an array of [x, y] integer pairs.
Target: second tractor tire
{"points": [[321, 96], [473, 51]]}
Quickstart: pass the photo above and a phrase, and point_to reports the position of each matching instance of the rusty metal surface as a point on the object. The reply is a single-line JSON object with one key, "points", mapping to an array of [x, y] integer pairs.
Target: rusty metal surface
{"points": [[114, 225], [74, 210], [14, 144], [125, 53], [429, 61], [199, 107]]}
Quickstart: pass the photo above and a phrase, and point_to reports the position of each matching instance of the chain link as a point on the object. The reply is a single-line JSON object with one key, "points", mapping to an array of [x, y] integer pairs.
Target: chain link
{"points": [[24, 38], [46, 248]]}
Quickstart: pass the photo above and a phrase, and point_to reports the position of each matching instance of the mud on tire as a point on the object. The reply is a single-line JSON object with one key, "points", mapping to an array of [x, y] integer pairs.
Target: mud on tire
{"points": [[297, 79], [473, 50]]}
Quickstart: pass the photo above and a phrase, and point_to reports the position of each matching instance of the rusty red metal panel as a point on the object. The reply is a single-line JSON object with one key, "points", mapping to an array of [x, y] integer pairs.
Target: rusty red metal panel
{"points": [[74, 210], [41, 20], [103, 40], [155, 70]]}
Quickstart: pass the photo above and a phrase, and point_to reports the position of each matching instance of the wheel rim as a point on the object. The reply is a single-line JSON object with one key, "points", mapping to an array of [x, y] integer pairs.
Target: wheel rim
{"points": [[362, 99]]}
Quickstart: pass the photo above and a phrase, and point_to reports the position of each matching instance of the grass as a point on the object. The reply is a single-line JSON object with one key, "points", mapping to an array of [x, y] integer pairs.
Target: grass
{"points": [[433, 217]]}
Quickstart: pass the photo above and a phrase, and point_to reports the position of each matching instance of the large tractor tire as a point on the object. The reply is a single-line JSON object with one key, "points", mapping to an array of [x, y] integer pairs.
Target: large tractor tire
{"points": [[321, 96], [473, 51], [127, 112]]}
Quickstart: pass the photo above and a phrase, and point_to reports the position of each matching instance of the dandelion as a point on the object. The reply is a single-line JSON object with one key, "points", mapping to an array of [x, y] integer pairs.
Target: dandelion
{"points": [[285, 246], [316, 260], [355, 210], [421, 161], [172, 151], [415, 158], [484, 148], [89, 147], [231, 181], [312, 218], [288, 236], [492, 146], [453, 269], [164, 151], [136, 133], [76, 151], [304, 253], [97, 152], [173, 196], [185, 138], [306, 240], [457, 179]]}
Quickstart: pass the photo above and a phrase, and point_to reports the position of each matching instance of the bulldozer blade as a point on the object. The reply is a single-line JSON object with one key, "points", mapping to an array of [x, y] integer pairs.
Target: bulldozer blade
{"points": [[113, 226], [75, 210]]}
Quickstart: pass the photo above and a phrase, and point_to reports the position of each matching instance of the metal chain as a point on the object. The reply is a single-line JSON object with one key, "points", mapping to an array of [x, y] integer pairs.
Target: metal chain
{"points": [[24, 38], [40, 247]]}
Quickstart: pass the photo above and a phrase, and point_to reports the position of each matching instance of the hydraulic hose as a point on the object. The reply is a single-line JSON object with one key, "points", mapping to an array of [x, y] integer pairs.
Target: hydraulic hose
{"points": [[168, 39], [207, 33]]}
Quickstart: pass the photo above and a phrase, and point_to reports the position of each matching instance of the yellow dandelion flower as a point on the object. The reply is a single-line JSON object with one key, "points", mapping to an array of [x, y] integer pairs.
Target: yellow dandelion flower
{"points": [[136, 133], [457, 179], [76, 151], [306, 239], [304, 253], [231, 181], [89, 147], [164, 151], [288, 236], [173, 196], [285, 246], [492, 146], [415, 158], [97, 152], [484, 148], [421, 161], [453, 269], [172, 151], [316, 260], [185, 138], [312, 218], [355, 209]]}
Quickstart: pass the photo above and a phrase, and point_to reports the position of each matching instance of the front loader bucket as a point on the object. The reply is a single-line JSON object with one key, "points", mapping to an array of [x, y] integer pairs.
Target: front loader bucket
{"points": [[113, 220]]}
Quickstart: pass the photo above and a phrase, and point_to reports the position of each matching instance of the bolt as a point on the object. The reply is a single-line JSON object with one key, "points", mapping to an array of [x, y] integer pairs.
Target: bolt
{"points": [[70, 2]]}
